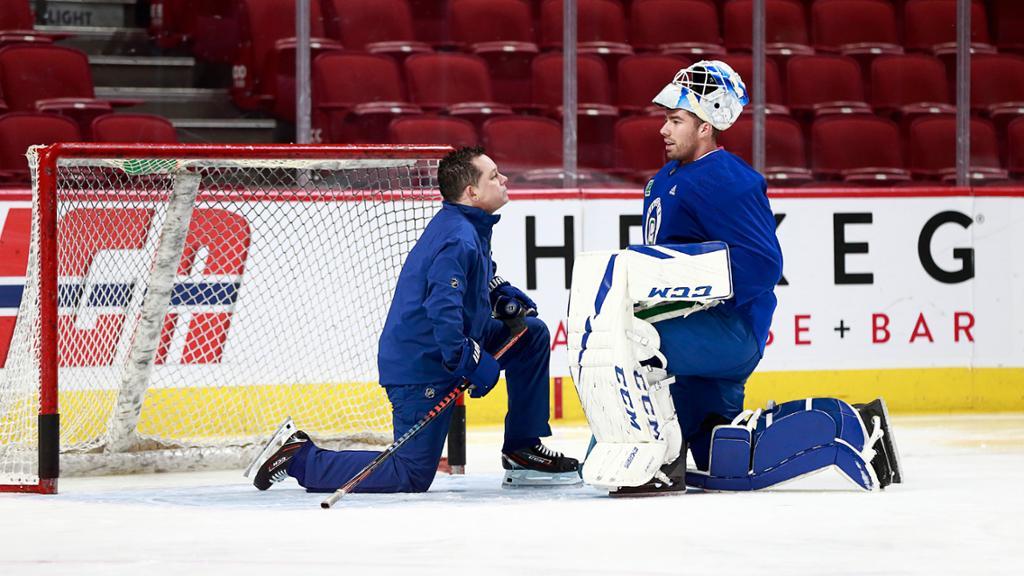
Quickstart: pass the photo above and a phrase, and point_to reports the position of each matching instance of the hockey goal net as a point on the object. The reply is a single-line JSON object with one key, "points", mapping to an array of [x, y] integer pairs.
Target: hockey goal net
{"points": [[181, 301]]}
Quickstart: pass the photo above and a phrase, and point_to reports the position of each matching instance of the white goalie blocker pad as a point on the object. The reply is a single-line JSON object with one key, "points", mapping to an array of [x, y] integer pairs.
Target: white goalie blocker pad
{"points": [[628, 404]]}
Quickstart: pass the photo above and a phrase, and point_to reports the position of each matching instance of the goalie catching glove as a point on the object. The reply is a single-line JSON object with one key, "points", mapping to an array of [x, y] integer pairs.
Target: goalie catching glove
{"points": [[479, 367]]}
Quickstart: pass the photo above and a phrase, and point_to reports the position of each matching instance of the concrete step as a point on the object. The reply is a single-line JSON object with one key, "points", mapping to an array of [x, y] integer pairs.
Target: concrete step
{"points": [[106, 40], [175, 102], [225, 130], [107, 13], [148, 71]]}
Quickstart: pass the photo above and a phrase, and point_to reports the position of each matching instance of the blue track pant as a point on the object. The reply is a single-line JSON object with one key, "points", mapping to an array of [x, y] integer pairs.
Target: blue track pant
{"points": [[711, 353], [412, 467]]}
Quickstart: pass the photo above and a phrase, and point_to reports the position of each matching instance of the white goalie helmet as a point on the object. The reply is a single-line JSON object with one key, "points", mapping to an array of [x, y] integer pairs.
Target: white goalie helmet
{"points": [[710, 89]]}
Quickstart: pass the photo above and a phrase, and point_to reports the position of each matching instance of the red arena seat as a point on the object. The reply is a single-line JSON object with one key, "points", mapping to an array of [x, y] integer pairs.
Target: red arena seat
{"points": [[265, 65], [356, 96], [839, 24], [932, 148], [17, 25], [1015, 147], [19, 130], [597, 21], [217, 29], [593, 86], [930, 24], [431, 129], [522, 143], [785, 26], [601, 28], [858, 148], [458, 83], [50, 78], [501, 32], [1008, 19], [642, 76], [676, 26], [785, 155], [431, 18], [475, 21], [377, 26], [997, 81], [823, 82], [147, 128], [909, 84], [639, 147]]}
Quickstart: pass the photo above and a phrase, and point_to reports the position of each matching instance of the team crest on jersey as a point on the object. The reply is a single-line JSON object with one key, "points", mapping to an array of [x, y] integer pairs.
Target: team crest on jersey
{"points": [[650, 185], [652, 222], [455, 282]]}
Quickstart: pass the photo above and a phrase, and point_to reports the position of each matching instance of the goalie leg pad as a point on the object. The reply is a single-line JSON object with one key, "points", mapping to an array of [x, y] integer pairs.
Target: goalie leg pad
{"points": [[789, 441]]}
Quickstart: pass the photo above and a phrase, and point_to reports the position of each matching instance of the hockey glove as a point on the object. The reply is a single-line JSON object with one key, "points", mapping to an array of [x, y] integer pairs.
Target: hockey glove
{"points": [[501, 288], [479, 367]]}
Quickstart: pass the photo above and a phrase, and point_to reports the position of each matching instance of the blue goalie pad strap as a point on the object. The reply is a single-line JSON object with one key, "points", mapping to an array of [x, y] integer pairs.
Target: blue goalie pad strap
{"points": [[730, 452], [791, 440]]}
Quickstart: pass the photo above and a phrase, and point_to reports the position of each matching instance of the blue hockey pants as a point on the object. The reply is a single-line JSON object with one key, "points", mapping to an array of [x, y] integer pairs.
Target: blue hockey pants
{"points": [[711, 353], [412, 467]]}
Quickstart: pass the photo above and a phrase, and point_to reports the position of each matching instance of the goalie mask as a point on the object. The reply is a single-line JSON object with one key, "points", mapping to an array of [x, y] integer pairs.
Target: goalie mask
{"points": [[710, 89]]}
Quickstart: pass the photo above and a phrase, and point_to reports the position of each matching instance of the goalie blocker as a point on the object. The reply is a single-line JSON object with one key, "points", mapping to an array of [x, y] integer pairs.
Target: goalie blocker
{"points": [[623, 382]]}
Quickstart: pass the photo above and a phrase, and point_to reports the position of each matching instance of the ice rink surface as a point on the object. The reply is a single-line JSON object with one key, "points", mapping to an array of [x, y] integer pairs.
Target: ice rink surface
{"points": [[959, 512]]}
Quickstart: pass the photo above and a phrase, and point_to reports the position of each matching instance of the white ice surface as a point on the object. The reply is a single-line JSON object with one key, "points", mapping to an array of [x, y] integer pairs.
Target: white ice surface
{"points": [[959, 512]]}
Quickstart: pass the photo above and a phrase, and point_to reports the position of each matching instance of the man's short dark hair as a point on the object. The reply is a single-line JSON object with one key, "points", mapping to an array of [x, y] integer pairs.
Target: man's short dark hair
{"points": [[456, 171]]}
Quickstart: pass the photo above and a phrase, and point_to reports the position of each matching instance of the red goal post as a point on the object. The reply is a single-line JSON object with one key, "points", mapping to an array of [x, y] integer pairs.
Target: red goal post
{"points": [[181, 300]]}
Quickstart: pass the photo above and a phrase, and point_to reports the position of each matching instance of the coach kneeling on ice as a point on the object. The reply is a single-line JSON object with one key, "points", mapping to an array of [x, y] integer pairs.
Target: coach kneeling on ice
{"points": [[624, 384]]}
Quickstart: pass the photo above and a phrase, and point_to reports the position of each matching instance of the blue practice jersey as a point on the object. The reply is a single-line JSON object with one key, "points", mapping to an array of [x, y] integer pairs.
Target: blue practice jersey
{"points": [[440, 300], [720, 197]]}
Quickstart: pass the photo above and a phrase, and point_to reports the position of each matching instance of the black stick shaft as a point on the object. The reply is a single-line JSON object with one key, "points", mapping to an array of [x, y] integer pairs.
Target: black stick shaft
{"points": [[438, 408]]}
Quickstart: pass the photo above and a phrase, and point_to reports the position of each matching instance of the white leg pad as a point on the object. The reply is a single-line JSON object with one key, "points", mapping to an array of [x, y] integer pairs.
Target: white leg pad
{"points": [[628, 405]]}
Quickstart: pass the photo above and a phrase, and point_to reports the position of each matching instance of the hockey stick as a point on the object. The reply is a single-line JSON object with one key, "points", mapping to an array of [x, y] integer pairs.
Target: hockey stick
{"points": [[518, 328]]}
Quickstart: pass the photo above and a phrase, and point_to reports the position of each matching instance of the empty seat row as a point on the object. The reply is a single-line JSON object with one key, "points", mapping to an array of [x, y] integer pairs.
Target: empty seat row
{"points": [[869, 149], [17, 25], [255, 35], [19, 130], [901, 84], [52, 78], [855, 148], [643, 24]]}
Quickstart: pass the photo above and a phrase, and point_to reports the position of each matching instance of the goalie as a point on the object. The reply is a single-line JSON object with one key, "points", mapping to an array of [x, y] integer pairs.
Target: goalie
{"points": [[670, 373]]}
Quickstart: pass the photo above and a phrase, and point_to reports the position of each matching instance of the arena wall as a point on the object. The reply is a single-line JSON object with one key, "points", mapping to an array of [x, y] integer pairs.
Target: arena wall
{"points": [[915, 294]]}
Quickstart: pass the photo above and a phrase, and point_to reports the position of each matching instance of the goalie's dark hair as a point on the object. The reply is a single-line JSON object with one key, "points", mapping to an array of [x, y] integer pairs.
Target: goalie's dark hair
{"points": [[456, 171]]}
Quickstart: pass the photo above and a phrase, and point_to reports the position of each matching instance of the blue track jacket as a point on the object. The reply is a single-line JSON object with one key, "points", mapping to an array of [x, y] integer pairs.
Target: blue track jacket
{"points": [[441, 298], [720, 197]]}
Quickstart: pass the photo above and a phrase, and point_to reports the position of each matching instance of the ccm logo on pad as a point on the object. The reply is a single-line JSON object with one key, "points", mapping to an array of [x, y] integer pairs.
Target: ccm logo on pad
{"points": [[680, 292]]}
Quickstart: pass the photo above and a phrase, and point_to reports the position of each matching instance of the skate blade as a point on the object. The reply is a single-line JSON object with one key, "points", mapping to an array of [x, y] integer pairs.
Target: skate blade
{"points": [[283, 432], [535, 479], [898, 477], [648, 494], [646, 491]]}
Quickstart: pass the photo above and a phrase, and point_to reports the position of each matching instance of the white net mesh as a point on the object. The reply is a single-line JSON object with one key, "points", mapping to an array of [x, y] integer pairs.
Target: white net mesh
{"points": [[274, 309]]}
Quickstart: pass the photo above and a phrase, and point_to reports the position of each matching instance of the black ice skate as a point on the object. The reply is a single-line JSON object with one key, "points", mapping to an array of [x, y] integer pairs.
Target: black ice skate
{"points": [[670, 479], [539, 466], [271, 464], [887, 457]]}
